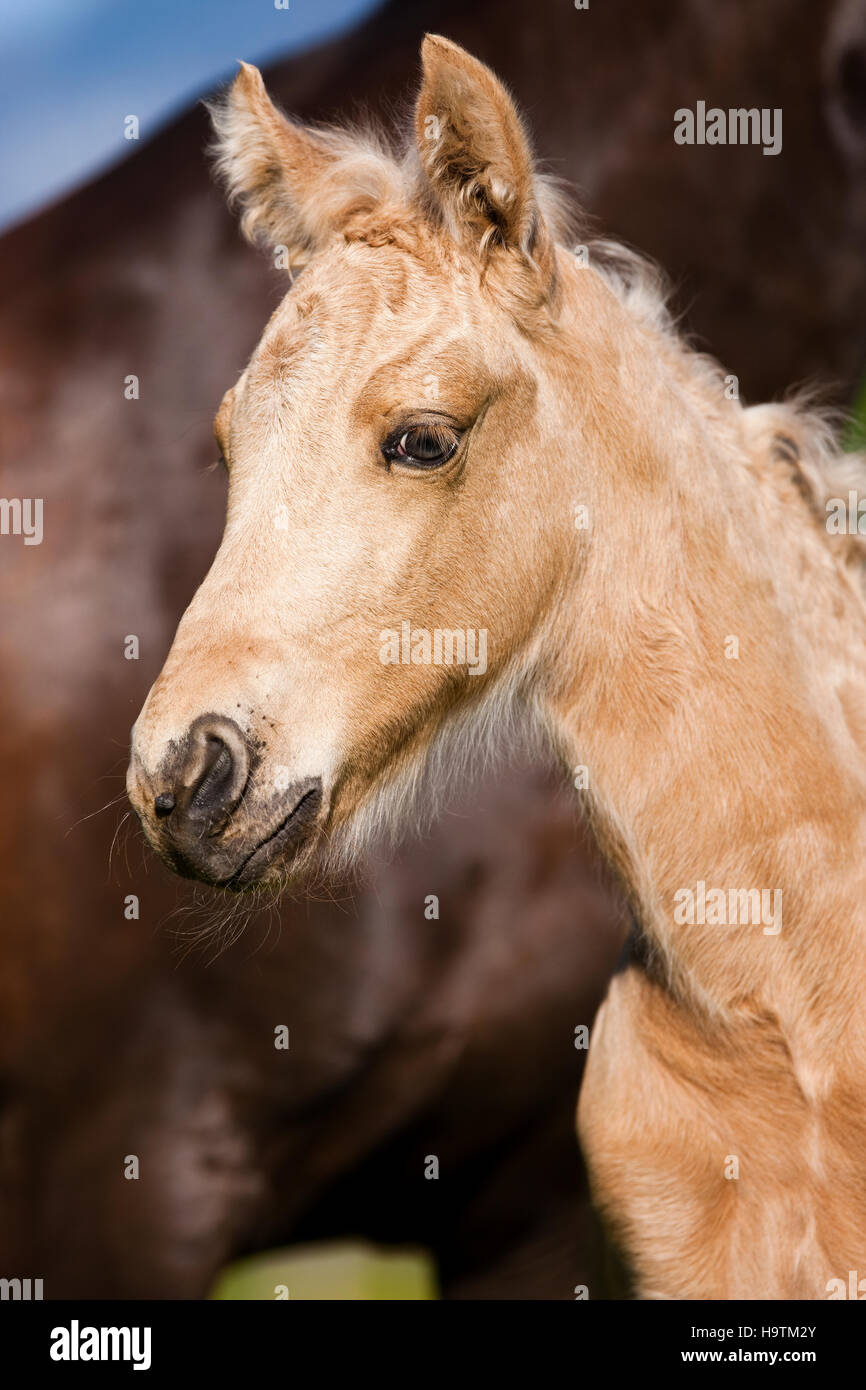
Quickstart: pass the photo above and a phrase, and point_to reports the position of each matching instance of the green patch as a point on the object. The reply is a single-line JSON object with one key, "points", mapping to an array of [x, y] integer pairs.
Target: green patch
{"points": [[333, 1271]]}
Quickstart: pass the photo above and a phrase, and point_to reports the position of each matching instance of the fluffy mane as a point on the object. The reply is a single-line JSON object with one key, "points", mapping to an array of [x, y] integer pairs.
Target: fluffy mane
{"points": [[794, 443]]}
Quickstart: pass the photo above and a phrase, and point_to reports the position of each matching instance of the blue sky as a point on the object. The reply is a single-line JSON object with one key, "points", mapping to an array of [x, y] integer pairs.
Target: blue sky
{"points": [[71, 71]]}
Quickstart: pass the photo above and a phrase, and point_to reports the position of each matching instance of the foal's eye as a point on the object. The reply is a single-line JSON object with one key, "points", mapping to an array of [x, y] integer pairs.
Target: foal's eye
{"points": [[422, 446]]}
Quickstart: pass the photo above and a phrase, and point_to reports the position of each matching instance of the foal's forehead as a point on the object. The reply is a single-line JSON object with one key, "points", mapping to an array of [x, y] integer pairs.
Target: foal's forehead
{"points": [[360, 299]]}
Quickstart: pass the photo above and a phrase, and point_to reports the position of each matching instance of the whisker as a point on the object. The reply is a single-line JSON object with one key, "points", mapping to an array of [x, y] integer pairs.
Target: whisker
{"points": [[113, 802], [124, 818]]}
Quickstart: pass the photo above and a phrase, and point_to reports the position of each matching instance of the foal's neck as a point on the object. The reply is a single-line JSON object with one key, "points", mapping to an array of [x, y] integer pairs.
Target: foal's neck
{"points": [[712, 680]]}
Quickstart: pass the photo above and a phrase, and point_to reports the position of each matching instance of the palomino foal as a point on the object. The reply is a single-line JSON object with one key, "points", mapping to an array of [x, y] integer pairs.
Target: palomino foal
{"points": [[453, 427]]}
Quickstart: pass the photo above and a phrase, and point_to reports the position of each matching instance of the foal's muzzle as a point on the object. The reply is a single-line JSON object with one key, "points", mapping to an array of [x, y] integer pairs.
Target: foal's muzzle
{"points": [[204, 814]]}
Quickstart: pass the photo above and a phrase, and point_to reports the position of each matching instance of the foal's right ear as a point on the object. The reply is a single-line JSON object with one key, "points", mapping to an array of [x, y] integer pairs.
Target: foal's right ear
{"points": [[295, 187]]}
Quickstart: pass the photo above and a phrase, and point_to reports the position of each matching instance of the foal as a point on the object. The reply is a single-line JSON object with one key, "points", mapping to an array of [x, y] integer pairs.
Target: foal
{"points": [[452, 426]]}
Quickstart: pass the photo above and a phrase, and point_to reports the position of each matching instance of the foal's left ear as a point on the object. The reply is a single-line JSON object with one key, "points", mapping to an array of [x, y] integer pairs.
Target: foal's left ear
{"points": [[476, 155], [295, 187]]}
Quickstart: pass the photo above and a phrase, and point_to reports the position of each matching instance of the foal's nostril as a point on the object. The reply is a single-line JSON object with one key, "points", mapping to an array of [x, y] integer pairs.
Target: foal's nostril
{"points": [[215, 768], [163, 805], [217, 775]]}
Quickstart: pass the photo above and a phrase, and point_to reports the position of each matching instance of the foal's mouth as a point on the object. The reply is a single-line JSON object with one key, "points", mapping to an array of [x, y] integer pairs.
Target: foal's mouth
{"points": [[290, 831]]}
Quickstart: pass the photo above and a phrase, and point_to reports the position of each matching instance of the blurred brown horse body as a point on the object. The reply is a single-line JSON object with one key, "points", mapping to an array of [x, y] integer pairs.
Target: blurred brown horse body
{"points": [[408, 1036]]}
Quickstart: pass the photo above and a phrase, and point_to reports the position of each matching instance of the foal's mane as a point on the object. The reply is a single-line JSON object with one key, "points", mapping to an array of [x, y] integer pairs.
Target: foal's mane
{"points": [[793, 443]]}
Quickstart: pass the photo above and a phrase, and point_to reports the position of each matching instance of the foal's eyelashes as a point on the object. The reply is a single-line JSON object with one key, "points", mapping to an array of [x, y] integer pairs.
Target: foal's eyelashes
{"points": [[424, 445]]}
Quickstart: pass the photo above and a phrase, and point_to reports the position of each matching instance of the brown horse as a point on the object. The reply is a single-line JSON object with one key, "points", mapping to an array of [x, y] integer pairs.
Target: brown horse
{"points": [[470, 472], [109, 1042]]}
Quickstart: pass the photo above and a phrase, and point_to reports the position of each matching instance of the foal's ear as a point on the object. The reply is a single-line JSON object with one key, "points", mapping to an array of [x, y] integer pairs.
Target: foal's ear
{"points": [[476, 154], [295, 187]]}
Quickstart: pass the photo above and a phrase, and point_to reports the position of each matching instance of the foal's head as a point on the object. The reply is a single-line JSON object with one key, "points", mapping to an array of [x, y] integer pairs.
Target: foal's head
{"points": [[396, 527]]}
